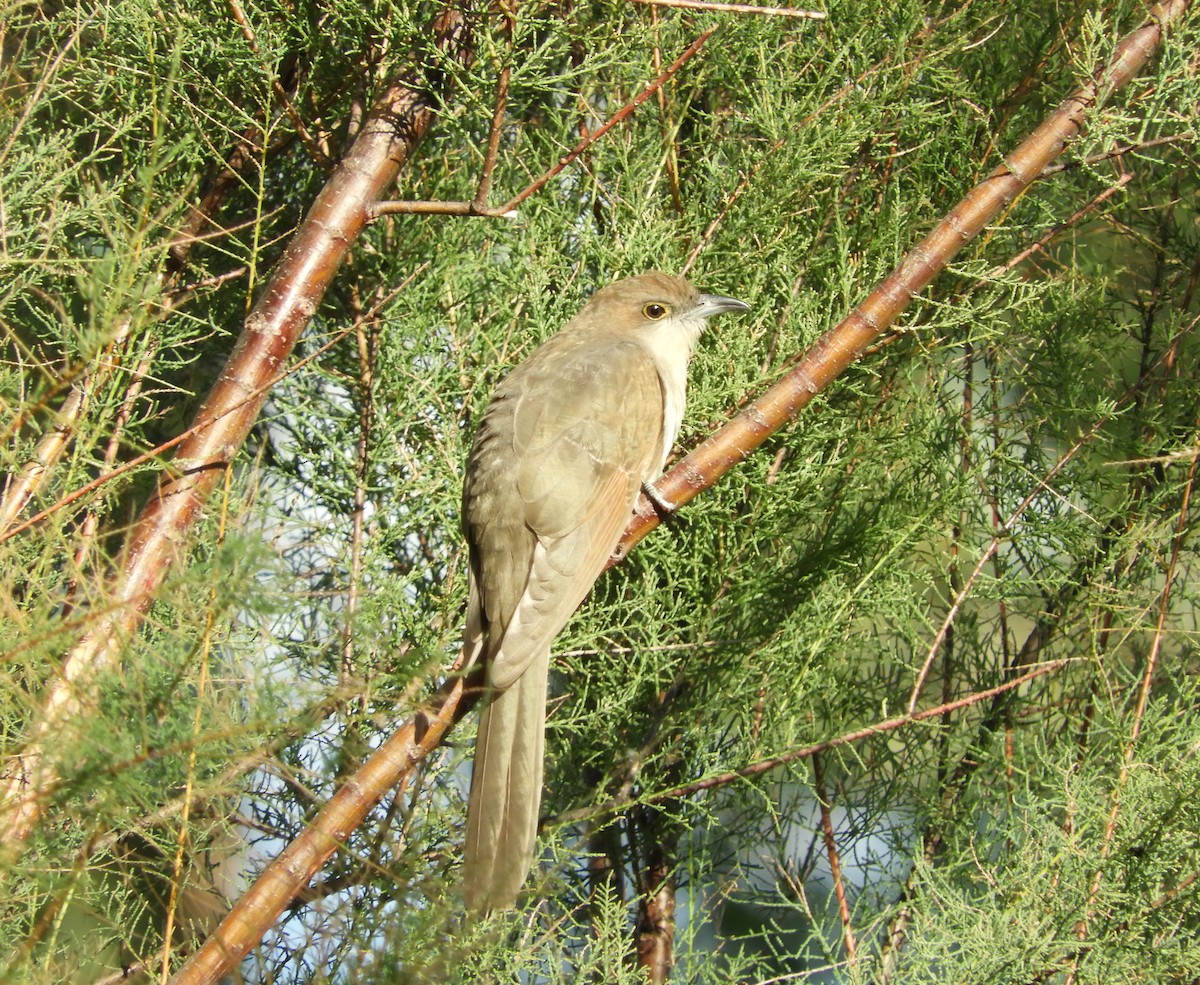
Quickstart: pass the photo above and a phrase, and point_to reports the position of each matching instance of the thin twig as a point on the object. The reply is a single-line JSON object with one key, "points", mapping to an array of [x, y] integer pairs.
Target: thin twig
{"points": [[508, 210], [831, 852], [804, 752], [366, 420], [158, 450], [189, 790], [737, 8], [1119, 151], [730, 201], [284, 97], [493, 145], [50, 448], [647, 91], [671, 156], [91, 522], [1041, 242], [439, 208]]}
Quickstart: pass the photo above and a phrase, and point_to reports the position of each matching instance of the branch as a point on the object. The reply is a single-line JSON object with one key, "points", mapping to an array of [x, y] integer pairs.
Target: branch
{"points": [[499, 110], [402, 115], [648, 90], [289, 873], [736, 8], [843, 344], [832, 854], [508, 210], [761, 766]]}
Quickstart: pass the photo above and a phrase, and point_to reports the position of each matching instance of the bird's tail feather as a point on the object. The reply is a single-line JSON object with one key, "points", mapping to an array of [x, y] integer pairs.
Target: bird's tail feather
{"points": [[506, 788]]}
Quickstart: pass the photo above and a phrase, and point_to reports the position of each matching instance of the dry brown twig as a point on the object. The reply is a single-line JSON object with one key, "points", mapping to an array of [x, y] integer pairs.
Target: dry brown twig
{"points": [[736, 8], [834, 857], [509, 209]]}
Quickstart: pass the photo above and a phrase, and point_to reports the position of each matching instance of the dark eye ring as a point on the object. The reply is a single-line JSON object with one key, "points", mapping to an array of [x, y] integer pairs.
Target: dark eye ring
{"points": [[654, 311]]}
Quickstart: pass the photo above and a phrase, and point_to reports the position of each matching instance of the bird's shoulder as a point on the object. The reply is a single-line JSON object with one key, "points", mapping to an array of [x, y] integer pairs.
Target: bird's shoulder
{"points": [[582, 358]]}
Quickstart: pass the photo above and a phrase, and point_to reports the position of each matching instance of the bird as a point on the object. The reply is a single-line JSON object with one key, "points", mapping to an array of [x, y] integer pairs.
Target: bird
{"points": [[569, 438]]}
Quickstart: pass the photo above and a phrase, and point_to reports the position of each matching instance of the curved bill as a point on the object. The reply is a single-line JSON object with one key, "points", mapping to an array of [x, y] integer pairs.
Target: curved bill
{"points": [[708, 305]]}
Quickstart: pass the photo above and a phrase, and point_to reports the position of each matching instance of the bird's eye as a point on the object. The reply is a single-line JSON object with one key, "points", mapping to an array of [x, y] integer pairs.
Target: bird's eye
{"points": [[654, 311]]}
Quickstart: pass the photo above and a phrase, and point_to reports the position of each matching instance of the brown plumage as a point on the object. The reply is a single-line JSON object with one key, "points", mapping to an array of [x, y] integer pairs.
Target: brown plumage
{"points": [[566, 443]]}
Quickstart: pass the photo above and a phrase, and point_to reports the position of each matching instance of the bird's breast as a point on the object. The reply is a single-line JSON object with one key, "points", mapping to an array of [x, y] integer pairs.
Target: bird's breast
{"points": [[670, 348]]}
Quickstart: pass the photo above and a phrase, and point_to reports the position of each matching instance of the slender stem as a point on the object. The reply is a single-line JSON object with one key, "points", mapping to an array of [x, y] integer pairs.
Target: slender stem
{"points": [[647, 91], [831, 853], [498, 113], [737, 8]]}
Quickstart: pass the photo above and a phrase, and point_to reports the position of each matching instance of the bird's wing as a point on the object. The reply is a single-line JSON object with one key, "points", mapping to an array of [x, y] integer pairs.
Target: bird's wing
{"points": [[587, 428]]}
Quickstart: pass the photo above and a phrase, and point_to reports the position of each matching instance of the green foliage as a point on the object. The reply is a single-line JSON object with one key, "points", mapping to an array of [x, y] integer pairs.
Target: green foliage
{"points": [[1036, 408]]}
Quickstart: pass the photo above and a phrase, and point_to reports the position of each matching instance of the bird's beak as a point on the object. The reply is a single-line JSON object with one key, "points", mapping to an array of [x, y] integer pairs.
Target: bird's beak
{"points": [[708, 305]]}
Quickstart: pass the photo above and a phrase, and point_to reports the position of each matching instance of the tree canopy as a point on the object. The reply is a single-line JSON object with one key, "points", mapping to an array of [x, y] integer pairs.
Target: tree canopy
{"points": [[908, 695]]}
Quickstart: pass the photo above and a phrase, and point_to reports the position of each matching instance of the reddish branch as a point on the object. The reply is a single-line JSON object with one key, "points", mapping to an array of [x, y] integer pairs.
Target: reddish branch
{"points": [[848, 738], [843, 344], [508, 209], [401, 116], [834, 857], [656, 917], [292, 871]]}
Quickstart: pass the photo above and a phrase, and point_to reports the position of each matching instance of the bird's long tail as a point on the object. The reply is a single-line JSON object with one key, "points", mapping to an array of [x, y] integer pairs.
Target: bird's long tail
{"points": [[506, 789]]}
